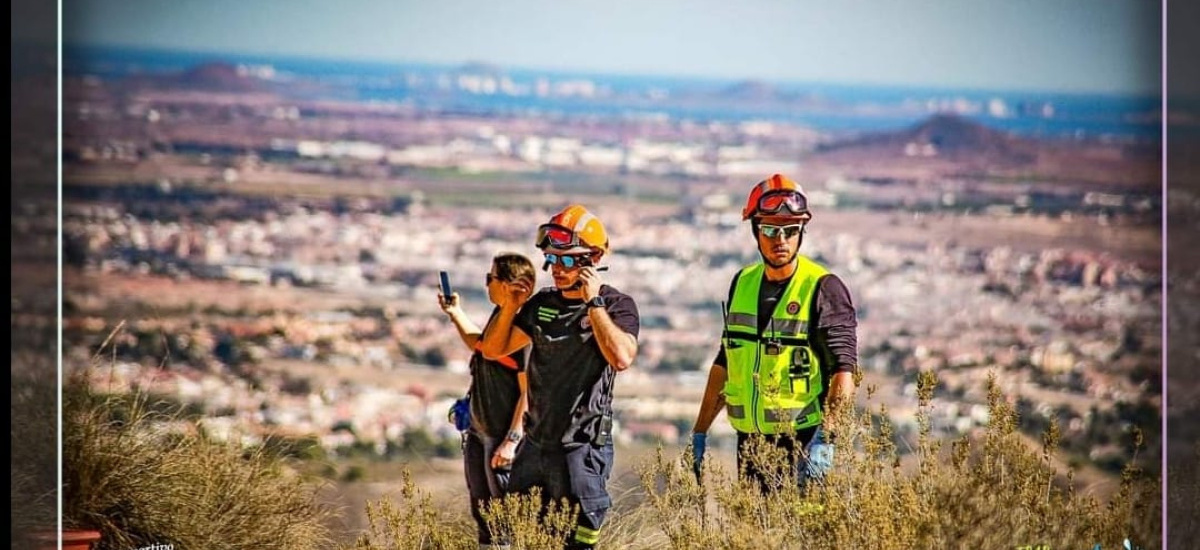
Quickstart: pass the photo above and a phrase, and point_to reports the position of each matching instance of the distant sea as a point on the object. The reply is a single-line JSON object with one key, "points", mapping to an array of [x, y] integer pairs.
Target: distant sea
{"points": [[837, 108]]}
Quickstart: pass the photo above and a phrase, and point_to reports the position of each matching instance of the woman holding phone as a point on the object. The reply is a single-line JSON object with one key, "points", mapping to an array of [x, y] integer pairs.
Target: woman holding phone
{"points": [[498, 399]]}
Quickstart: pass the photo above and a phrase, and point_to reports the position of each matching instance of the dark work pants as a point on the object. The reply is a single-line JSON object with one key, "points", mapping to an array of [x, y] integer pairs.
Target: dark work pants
{"points": [[579, 473], [812, 464], [483, 483]]}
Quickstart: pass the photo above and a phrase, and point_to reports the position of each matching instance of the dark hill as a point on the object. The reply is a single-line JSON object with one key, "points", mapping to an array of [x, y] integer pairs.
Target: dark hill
{"points": [[754, 90], [219, 76], [944, 136]]}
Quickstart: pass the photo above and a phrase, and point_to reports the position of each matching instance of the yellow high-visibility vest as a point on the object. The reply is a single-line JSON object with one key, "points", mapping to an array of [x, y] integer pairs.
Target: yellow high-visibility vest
{"points": [[774, 378]]}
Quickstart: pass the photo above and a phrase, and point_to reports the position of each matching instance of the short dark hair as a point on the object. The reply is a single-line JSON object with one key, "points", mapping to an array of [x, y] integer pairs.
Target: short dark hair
{"points": [[512, 267]]}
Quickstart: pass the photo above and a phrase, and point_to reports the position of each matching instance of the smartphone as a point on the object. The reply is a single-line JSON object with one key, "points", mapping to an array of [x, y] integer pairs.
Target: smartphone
{"points": [[446, 290], [580, 283]]}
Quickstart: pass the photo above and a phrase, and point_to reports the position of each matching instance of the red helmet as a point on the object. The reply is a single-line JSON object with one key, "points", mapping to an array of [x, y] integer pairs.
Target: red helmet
{"points": [[573, 230], [777, 196]]}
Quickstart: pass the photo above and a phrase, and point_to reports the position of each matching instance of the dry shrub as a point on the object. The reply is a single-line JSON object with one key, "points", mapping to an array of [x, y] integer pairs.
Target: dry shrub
{"points": [[990, 490], [145, 477], [411, 521]]}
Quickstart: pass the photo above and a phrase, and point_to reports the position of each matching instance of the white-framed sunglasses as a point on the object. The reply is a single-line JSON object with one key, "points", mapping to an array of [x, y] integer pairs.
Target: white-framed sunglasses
{"points": [[773, 231]]}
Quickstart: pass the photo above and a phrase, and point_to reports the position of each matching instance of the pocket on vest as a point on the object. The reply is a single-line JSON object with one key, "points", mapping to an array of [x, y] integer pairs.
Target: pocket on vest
{"points": [[735, 402]]}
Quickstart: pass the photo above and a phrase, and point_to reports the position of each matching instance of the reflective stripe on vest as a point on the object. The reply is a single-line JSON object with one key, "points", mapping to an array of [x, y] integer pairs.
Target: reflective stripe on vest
{"points": [[774, 378], [775, 415]]}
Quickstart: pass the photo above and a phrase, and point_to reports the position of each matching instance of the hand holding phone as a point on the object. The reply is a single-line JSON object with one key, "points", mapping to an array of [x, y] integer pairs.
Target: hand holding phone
{"points": [[448, 299], [587, 263]]}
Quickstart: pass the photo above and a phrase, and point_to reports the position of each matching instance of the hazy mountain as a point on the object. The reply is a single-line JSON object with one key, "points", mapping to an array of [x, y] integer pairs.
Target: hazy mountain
{"points": [[947, 144], [945, 136], [220, 76]]}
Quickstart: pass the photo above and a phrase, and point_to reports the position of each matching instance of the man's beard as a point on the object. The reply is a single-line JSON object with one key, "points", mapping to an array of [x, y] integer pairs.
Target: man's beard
{"points": [[791, 258]]}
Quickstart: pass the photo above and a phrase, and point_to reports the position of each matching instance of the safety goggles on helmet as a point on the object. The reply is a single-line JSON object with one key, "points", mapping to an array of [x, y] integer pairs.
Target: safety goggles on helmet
{"points": [[556, 236], [772, 231], [778, 201], [569, 261]]}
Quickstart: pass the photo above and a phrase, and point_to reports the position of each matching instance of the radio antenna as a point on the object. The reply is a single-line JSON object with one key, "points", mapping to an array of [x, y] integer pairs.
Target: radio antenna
{"points": [[725, 325]]}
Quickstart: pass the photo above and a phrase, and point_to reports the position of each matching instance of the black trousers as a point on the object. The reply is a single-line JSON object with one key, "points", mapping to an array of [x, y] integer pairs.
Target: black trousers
{"points": [[483, 483], [579, 473], [809, 465]]}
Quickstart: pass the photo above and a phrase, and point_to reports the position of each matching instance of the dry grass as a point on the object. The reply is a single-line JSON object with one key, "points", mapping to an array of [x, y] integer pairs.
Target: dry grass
{"points": [[134, 475], [987, 491]]}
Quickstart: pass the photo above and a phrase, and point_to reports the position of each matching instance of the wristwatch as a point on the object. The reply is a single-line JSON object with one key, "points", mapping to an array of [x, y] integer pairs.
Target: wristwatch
{"points": [[597, 301], [514, 437]]}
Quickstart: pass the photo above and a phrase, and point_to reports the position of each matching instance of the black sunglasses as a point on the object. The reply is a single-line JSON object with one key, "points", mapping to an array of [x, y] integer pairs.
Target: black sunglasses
{"points": [[568, 261]]}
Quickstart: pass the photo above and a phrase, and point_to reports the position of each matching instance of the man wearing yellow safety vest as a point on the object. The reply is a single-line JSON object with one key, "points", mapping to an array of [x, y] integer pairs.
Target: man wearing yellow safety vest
{"points": [[789, 346]]}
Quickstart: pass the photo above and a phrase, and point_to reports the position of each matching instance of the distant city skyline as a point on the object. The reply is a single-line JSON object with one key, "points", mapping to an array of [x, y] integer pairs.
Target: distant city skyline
{"points": [[1112, 46]]}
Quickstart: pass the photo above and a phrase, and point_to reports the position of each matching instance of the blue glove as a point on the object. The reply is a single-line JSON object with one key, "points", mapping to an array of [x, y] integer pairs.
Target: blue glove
{"points": [[699, 443], [460, 414]]}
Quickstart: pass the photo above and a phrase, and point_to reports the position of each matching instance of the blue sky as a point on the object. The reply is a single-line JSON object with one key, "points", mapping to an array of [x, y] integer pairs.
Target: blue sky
{"points": [[1108, 46]]}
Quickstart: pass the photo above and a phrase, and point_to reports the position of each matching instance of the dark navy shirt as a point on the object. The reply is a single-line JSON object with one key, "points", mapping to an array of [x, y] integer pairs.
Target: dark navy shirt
{"points": [[570, 381]]}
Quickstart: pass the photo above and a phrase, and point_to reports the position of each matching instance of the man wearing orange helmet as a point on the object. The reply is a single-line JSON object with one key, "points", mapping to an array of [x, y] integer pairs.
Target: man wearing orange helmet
{"points": [[789, 348], [582, 333]]}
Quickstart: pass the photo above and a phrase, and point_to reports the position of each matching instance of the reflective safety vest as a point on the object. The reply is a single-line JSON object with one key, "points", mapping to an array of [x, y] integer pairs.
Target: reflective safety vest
{"points": [[774, 379]]}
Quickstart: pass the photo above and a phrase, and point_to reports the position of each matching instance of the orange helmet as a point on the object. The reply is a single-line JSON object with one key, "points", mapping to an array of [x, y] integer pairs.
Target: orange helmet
{"points": [[574, 229], [777, 196]]}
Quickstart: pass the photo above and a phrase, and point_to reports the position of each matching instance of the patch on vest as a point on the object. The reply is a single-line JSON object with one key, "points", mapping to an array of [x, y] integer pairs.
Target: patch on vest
{"points": [[585, 323], [793, 308]]}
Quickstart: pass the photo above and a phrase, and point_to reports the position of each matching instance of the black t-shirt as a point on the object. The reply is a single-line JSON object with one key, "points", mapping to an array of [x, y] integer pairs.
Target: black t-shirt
{"points": [[495, 391], [570, 381], [834, 335]]}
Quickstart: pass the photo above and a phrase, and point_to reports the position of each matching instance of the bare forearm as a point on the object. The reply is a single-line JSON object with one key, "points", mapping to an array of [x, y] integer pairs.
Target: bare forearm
{"points": [[619, 347], [507, 449], [467, 330], [518, 419], [498, 340], [841, 391], [713, 400]]}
